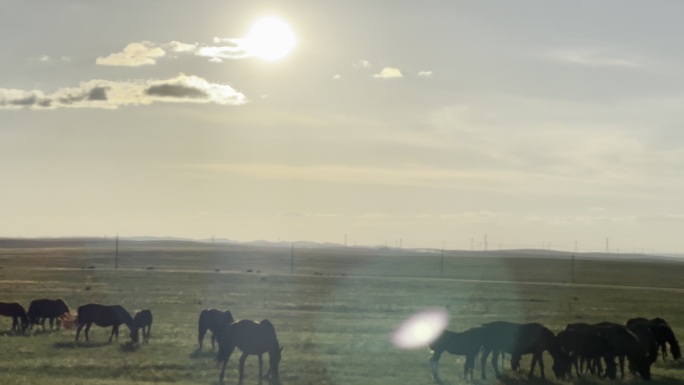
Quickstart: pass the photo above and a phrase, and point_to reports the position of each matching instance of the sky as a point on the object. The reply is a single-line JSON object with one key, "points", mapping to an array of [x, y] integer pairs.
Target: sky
{"points": [[445, 124]]}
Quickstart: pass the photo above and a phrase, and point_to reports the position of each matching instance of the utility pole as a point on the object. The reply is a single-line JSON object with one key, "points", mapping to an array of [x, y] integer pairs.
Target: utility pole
{"points": [[292, 259], [116, 253], [345, 240], [485, 242], [441, 266]]}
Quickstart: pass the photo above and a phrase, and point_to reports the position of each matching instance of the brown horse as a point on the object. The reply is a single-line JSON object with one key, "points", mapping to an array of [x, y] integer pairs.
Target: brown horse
{"points": [[50, 309], [215, 321], [467, 343], [584, 344], [18, 314], [519, 339], [103, 315], [626, 343], [143, 321], [252, 338]]}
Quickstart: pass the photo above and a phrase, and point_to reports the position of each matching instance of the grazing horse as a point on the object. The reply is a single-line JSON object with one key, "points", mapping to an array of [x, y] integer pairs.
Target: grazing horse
{"points": [[17, 312], [215, 321], [518, 339], [663, 335], [584, 344], [467, 343], [252, 338], [143, 321], [103, 315], [625, 343], [51, 309]]}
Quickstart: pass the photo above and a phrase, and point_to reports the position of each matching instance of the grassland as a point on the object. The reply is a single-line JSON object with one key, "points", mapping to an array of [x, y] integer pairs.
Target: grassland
{"points": [[333, 308]]}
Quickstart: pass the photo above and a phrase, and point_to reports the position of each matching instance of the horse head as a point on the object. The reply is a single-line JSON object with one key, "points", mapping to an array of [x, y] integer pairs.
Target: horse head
{"points": [[274, 359], [675, 350], [135, 336]]}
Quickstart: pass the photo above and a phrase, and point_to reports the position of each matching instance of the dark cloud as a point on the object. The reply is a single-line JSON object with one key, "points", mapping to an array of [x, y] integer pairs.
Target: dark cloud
{"points": [[98, 93], [176, 91]]}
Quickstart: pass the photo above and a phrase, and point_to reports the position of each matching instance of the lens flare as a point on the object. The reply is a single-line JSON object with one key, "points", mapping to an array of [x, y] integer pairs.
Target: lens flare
{"points": [[420, 329]]}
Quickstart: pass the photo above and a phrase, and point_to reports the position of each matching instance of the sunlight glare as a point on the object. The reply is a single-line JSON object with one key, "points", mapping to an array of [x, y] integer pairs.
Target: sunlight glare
{"points": [[270, 39], [420, 329]]}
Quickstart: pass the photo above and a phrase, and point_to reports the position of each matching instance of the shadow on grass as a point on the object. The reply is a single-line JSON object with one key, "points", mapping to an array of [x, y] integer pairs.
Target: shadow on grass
{"points": [[129, 347], [206, 353], [10, 333], [79, 344]]}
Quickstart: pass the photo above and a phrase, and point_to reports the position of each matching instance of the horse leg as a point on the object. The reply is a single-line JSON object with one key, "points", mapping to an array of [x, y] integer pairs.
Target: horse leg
{"points": [[261, 366], [115, 331], [621, 361], [87, 329], [223, 370], [201, 331], [483, 362], [495, 362], [243, 358], [433, 364], [540, 359], [468, 367]]}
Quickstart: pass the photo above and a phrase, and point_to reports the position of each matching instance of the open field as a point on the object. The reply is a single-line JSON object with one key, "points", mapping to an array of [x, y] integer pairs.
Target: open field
{"points": [[333, 308]]}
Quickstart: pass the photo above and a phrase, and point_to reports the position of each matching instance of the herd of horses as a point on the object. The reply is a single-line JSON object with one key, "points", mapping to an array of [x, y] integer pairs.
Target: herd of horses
{"points": [[580, 346], [251, 337]]}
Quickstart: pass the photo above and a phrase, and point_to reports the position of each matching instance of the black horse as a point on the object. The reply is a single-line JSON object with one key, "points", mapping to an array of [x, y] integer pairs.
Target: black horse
{"points": [[50, 309], [103, 315], [585, 345], [252, 338], [467, 343], [626, 343], [143, 321], [519, 339], [215, 321], [18, 314], [663, 335]]}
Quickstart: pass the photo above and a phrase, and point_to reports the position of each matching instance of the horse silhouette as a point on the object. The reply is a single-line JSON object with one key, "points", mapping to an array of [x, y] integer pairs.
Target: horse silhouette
{"points": [[104, 316], [47, 309], [467, 343], [584, 344], [17, 312], [663, 335], [252, 338], [215, 321], [143, 321], [519, 339], [626, 344]]}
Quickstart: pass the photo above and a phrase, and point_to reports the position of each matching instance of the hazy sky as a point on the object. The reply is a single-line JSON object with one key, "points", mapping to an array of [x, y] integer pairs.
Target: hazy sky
{"points": [[539, 124]]}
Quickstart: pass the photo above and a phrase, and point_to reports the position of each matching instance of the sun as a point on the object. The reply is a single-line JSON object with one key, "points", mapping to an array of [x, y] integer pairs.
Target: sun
{"points": [[270, 39]]}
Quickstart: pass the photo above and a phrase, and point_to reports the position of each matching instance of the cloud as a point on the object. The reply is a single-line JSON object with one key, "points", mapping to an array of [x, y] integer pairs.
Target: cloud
{"points": [[389, 73], [134, 55], [425, 74], [147, 52], [337, 76], [45, 58], [592, 58], [111, 94], [362, 64]]}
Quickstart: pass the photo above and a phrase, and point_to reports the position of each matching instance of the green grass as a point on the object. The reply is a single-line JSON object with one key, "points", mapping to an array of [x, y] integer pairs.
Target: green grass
{"points": [[333, 316]]}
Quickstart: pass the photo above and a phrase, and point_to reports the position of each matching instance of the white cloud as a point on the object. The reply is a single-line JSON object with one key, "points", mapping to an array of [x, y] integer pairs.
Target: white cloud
{"points": [[110, 94], [592, 58], [337, 76], [45, 58], [389, 73], [362, 64], [425, 74], [134, 55], [178, 47]]}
